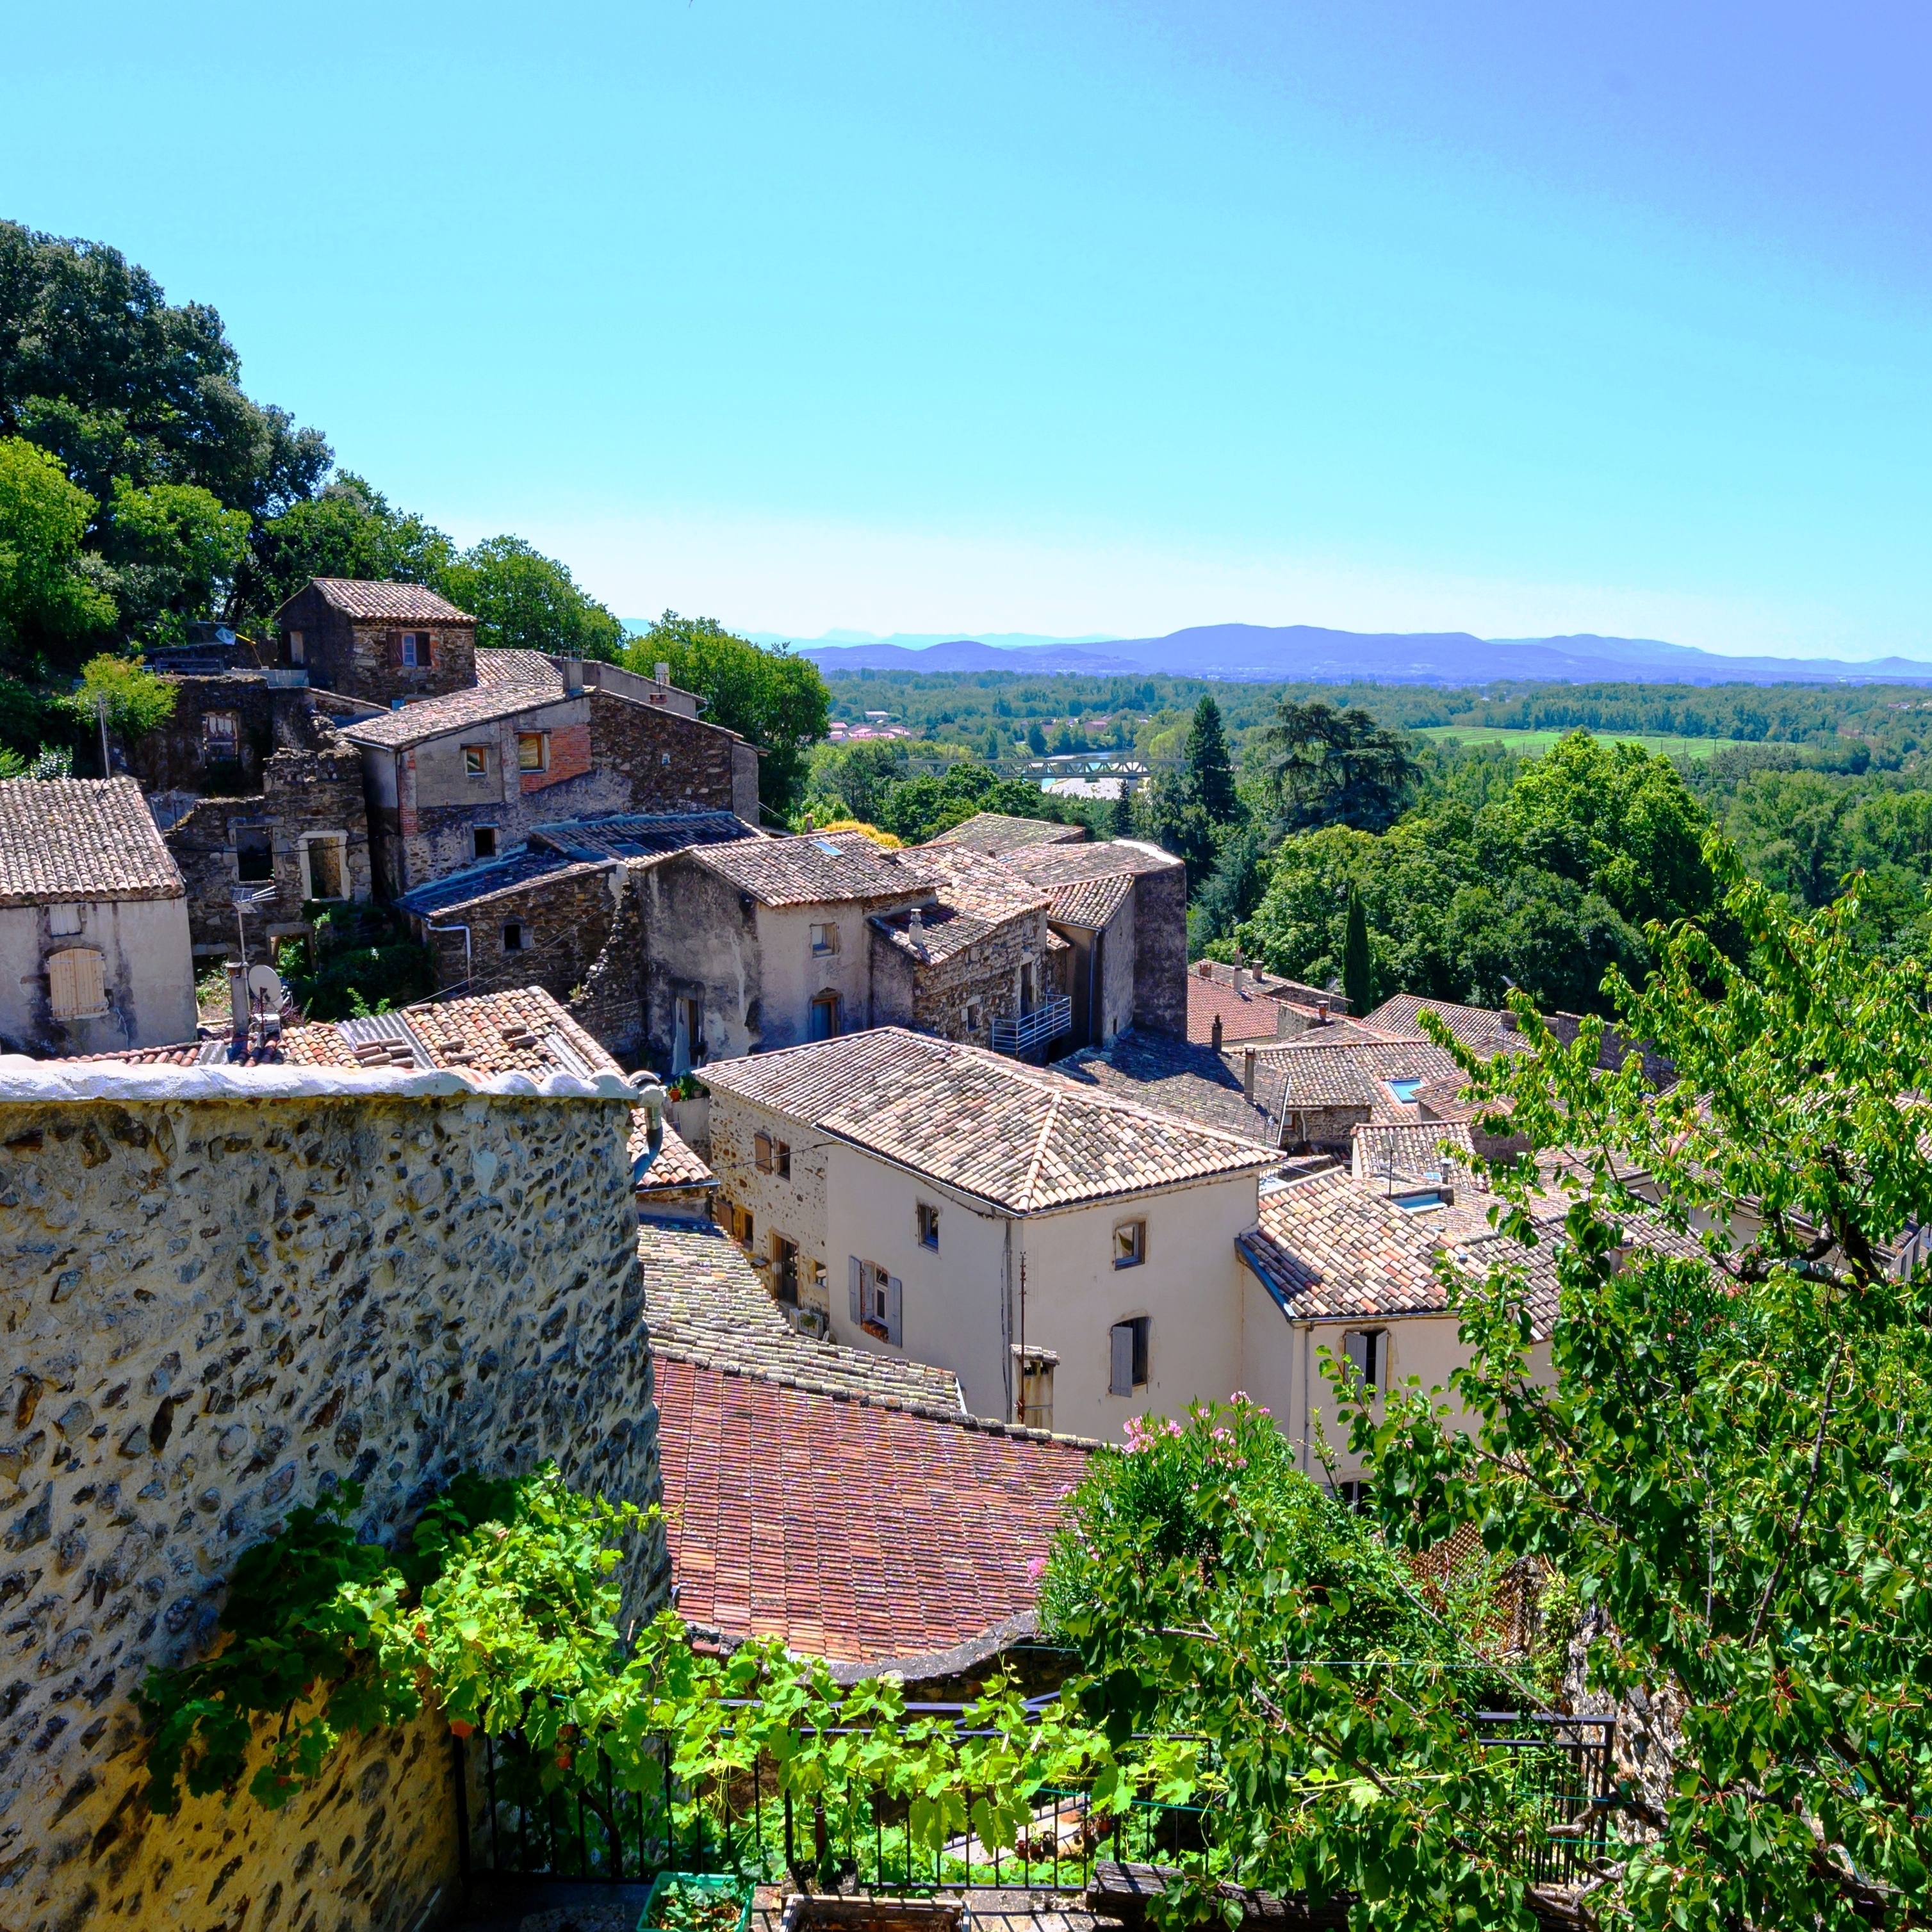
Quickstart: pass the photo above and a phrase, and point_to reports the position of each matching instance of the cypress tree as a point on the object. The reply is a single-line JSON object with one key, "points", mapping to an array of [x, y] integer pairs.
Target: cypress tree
{"points": [[1210, 771], [1358, 972]]}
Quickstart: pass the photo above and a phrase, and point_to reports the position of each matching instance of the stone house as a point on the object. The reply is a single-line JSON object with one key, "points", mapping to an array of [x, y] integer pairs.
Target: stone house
{"points": [[469, 775], [94, 921], [998, 833], [224, 1301], [1315, 1091], [387, 643], [1069, 1255], [547, 915]]}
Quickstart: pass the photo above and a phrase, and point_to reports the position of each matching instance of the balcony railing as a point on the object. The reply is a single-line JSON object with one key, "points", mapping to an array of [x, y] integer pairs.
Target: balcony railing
{"points": [[1047, 1021]]}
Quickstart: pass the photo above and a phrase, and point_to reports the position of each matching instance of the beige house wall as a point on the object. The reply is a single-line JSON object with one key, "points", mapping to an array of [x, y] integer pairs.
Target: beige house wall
{"points": [[147, 968]]}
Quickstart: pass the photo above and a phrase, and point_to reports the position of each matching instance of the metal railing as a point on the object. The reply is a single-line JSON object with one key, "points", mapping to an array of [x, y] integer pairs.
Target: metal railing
{"points": [[508, 1824], [1047, 1021]]}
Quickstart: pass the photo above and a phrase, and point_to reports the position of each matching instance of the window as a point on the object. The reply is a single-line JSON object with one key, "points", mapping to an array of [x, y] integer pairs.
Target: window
{"points": [[413, 651], [771, 1156], [221, 736], [824, 939], [483, 841], [297, 649], [1127, 1355], [1366, 1351], [254, 853], [63, 920], [927, 1220], [877, 1301], [533, 750], [976, 1015], [825, 1017], [325, 869], [1352, 1495], [1026, 989], [687, 1049], [1129, 1244], [784, 1270], [1405, 1090], [77, 988], [740, 1224], [476, 761], [516, 936]]}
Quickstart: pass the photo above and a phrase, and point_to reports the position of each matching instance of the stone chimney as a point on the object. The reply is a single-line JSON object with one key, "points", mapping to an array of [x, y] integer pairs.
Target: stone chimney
{"points": [[1321, 1013], [1215, 1042], [1248, 1075], [573, 677], [238, 999], [1237, 975]]}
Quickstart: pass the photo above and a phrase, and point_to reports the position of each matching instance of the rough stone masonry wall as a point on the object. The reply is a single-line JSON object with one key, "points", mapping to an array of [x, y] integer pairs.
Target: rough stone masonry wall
{"points": [[222, 1292], [566, 920]]}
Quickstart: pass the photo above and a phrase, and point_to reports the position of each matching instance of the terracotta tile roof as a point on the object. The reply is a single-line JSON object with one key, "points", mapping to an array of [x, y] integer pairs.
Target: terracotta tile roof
{"points": [[1091, 903], [379, 602], [1173, 1076], [677, 1167], [81, 838], [1329, 1245], [455, 710], [704, 1304], [641, 834], [849, 1529], [1412, 1151], [996, 832], [1060, 865], [1299, 1074], [1022, 1138], [1475, 1026], [818, 868], [1244, 1015], [977, 895], [511, 667]]}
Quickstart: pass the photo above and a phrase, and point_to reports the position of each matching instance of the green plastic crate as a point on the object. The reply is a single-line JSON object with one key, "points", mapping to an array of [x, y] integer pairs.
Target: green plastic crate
{"points": [[720, 1885]]}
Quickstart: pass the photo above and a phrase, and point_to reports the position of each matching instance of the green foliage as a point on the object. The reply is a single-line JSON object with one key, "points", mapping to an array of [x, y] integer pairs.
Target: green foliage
{"points": [[1732, 1465], [777, 701], [50, 761], [171, 552], [1326, 767], [1210, 772], [348, 977], [522, 600], [1543, 887], [134, 699], [1358, 969], [916, 809], [349, 528], [49, 604]]}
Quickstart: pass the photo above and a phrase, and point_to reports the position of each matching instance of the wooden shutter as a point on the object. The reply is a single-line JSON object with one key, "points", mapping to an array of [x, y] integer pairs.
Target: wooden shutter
{"points": [[76, 985], [894, 1311], [761, 1152], [394, 640], [857, 1268], [1121, 1379]]}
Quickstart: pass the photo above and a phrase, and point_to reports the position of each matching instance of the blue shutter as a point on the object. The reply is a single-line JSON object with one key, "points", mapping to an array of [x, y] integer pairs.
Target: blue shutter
{"points": [[1121, 1337], [895, 1311], [854, 1265]]}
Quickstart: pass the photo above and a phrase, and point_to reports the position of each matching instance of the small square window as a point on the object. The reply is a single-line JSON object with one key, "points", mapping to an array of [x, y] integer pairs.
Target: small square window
{"points": [[414, 650], [824, 939], [63, 921], [533, 750], [742, 1229], [516, 936], [475, 761], [254, 853], [483, 841], [1129, 1244], [825, 1017], [928, 1219], [220, 734]]}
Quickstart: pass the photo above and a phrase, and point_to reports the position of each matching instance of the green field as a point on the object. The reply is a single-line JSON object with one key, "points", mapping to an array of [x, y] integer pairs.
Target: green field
{"points": [[1531, 742]]}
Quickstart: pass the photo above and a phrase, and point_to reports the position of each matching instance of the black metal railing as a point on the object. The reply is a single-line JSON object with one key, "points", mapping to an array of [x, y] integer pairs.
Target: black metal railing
{"points": [[598, 1831]]}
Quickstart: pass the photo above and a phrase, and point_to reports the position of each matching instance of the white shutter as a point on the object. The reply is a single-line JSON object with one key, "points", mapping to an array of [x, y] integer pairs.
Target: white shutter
{"points": [[1121, 1336], [856, 1267], [76, 986], [894, 1311]]}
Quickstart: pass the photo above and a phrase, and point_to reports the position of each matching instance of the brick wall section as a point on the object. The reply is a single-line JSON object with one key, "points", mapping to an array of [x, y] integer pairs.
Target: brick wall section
{"points": [[216, 1308], [566, 920], [633, 740], [319, 790]]}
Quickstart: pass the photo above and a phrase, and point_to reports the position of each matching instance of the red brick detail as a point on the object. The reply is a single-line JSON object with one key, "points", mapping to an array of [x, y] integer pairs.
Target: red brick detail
{"points": [[569, 758]]}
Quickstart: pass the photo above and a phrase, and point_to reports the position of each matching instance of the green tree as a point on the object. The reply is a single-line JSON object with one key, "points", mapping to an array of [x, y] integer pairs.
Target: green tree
{"points": [[522, 600], [1330, 767], [777, 701], [172, 552], [132, 699], [1358, 968], [349, 528], [49, 605], [1210, 771], [1035, 739]]}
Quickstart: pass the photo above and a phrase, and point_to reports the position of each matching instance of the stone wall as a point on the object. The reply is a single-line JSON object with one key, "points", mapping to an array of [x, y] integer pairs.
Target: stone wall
{"points": [[670, 763], [935, 995], [565, 920], [360, 660], [225, 1290], [1160, 951]]}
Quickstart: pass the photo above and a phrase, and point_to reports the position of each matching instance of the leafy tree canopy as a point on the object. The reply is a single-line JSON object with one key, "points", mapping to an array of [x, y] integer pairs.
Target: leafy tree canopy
{"points": [[1326, 767], [777, 701], [522, 600], [49, 603], [133, 699], [170, 552], [348, 529], [1208, 774]]}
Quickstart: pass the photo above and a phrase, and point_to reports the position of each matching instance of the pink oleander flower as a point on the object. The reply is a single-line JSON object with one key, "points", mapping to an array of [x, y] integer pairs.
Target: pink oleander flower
{"points": [[1037, 1569]]}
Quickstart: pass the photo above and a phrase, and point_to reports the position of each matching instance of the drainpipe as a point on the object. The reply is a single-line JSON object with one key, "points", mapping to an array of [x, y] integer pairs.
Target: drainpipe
{"points": [[1006, 1311], [467, 971]]}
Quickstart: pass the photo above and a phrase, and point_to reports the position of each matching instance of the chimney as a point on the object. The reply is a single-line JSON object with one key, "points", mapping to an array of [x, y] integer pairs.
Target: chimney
{"points": [[1237, 975], [1321, 1013], [915, 925], [663, 673], [238, 999], [1248, 1075], [573, 677], [1205, 969], [1215, 1042]]}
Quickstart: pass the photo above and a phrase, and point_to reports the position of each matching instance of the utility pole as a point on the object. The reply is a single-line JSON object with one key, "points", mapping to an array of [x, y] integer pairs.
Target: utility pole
{"points": [[100, 715]]}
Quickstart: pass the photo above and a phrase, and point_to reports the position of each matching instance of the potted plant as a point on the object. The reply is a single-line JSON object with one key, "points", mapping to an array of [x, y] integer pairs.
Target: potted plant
{"points": [[697, 1902]]}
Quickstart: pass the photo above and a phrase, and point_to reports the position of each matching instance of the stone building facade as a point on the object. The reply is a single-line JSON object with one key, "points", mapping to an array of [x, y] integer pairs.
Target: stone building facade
{"points": [[381, 642], [229, 1290]]}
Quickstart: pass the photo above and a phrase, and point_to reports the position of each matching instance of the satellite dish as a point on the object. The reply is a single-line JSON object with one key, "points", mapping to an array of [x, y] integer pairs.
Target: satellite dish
{"points": [[265, 987]]}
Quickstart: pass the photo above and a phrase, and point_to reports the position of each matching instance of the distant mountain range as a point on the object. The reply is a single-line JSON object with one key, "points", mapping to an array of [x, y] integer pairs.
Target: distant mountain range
{"points": [[1302, 652]]}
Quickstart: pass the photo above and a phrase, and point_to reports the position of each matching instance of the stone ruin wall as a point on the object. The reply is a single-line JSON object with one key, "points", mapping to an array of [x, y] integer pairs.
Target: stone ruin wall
{"points": [[216, 1307]]}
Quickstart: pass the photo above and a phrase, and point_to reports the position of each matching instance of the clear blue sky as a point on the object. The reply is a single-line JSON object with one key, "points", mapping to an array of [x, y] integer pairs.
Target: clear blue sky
{"points": [[1068, 318]]}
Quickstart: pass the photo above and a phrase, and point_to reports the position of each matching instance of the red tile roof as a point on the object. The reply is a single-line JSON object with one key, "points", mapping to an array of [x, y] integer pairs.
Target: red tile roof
{"points": [[1475, 1026], [1244, 1015], [63, 839], [818, 868], [455, 711], [379, 602], [997, 832], [851, 1530]]}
